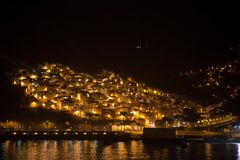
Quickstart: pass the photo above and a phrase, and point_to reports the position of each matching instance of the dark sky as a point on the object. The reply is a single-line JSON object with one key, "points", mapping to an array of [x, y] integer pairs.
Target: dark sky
{"points": [[173, 37]]}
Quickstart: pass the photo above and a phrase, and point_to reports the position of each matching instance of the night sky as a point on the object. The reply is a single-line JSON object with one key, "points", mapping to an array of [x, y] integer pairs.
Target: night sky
{"points": [[152, 42]]}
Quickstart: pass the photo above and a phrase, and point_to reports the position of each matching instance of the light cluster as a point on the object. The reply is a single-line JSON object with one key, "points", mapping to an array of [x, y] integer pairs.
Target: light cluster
{"points": [[222, 81], [104, 96]]}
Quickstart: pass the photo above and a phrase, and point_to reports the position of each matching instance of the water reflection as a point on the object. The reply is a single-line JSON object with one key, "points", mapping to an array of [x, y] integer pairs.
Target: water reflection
{"points": [[91, 150], [208, 151]]}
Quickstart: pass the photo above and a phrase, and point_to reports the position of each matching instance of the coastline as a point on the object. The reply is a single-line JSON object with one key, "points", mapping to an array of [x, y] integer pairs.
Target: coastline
{"points": [[65, 135], [105, 136]]}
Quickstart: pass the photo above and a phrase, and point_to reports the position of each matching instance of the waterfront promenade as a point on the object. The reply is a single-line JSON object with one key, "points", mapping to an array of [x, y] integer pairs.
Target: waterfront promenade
{"points": [[65, 135], [116, 136]]}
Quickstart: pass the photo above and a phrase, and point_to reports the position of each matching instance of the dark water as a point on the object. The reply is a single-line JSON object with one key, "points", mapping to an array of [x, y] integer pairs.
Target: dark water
{"points": [[66, 150]]}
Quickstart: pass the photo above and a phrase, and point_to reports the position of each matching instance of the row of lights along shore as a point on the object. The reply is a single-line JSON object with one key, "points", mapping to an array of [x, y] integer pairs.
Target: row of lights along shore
{"points": [[57, 133]]}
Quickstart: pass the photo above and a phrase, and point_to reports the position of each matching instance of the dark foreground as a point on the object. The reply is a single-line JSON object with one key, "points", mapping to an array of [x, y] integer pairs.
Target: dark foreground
{"points": [[133, 149]]}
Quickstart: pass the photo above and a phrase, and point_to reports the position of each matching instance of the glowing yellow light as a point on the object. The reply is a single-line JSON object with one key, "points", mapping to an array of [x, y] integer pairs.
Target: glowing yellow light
{"points": [[142, 116], [14, 133], [53, 106], [146, 122], [45, 67], [66, 107], [33, 76], [45, 133], [65, 133], [33, 104], [104, 133], [134, 112], [85, 133], [45, 97], [79, 96], [22, 78], [76, 113], [35, 133], [36, 95], [119, 99], [121, 82], [22, 84]]}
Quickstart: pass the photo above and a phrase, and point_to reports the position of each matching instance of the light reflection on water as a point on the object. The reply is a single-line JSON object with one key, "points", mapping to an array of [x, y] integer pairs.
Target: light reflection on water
{"points": [[91, 150]]}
